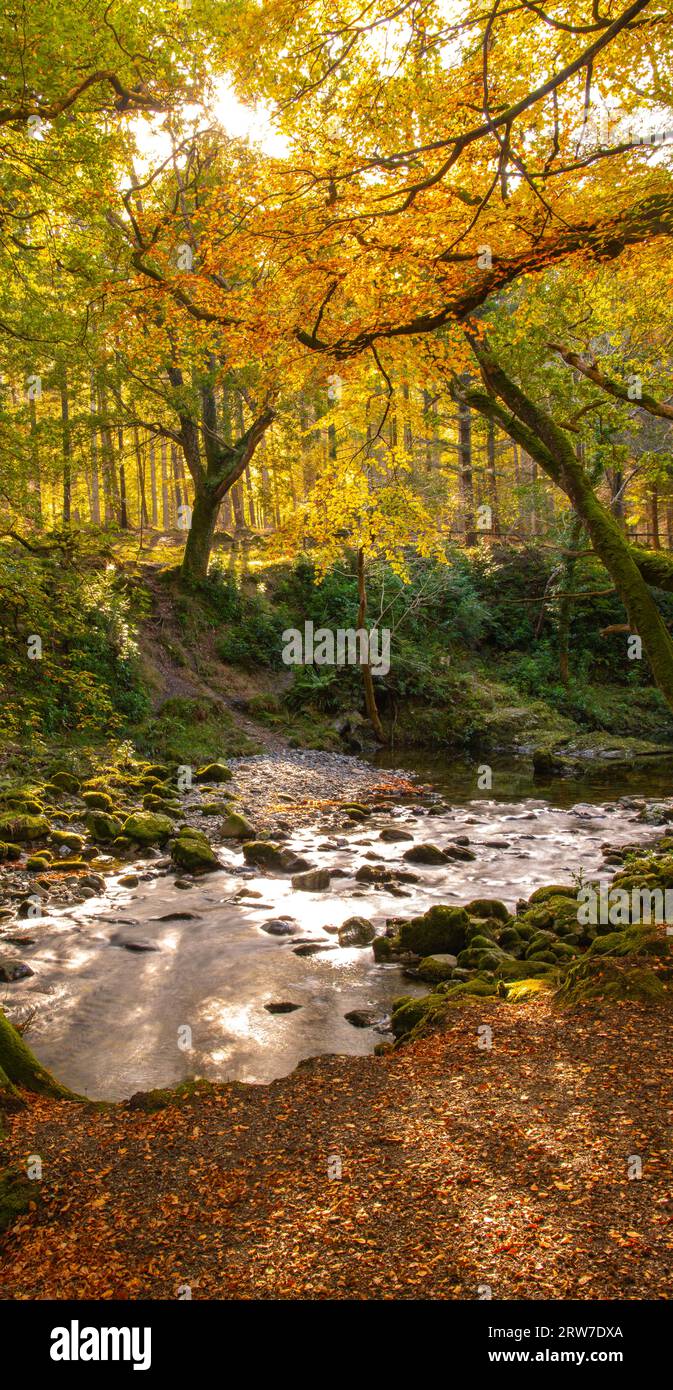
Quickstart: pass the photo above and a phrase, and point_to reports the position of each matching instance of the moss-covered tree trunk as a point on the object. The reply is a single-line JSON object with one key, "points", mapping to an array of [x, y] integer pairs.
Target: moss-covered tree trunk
{"points": [[200, 538], [20, 1069], [544, 440]]}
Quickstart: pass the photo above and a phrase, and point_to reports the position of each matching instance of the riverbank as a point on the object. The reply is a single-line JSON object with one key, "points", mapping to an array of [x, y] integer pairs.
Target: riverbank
{"points": [[443, 1170]]}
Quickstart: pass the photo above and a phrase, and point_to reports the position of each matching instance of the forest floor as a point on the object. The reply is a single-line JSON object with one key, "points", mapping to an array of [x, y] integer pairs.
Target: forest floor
{"points": [[537, 1168]]}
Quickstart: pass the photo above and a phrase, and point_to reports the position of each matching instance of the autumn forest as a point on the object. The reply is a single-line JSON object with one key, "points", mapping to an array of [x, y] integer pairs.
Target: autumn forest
{"points": [[336, 569]]}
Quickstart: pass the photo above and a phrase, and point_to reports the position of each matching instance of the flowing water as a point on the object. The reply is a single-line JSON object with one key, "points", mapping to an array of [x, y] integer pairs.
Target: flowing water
{"points": [[112, 1020]]}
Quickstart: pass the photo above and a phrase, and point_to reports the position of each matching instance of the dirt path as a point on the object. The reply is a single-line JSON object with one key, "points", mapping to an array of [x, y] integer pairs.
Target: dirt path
{"points": [[461, 1167]]}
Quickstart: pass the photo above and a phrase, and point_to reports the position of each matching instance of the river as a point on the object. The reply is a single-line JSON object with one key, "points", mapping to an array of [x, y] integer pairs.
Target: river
{"points": [[112, 1020]]}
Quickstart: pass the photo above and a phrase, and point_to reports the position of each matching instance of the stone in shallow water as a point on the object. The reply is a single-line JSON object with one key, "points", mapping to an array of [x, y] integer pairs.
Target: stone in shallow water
{"points": [[392, 835], [362, 1018], [282, 1007], [176, 917], [425, 854], [12, 969], [131, 943], [311, 948], [276, 926], [316, 881], [356, 931]]}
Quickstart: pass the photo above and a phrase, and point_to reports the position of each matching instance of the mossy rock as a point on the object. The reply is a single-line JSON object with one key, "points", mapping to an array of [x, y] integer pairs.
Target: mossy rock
{"points": [[434, 969], [25, 805], [440, 930], [149, 1102], [482, 943], [17, 1193], [147, 828], [8, 851], [65, 781], [192, 850], [410, 1014], [157, 770], [98, 801], [68, 866], [425, 854], [540, 942], [102, 827], [384, 950], [634, 940], [158, 803], [67, 838], [267, 855], [510, 969], [236, 827], [477, 988], [608, 977], [215, 808], [214, 772], [488, 907], [24, 828], [37, 863], [481, 929], [553, 890], [510, 939]]}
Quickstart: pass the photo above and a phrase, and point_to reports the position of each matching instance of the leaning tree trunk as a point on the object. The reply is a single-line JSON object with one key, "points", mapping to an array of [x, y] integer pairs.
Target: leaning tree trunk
{"points": [[535, 431], [20, 1069]]}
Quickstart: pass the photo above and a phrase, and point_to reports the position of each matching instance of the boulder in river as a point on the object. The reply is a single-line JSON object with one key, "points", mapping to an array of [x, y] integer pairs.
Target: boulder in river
{"points": [[192, 850], [12, 969], [267, 855], [356, 931], [392, 835], [278, 926], [440, 930], [315, 881], [362, 1018], [374, 873], [459, 852], [282, 1007], [425, 854]]}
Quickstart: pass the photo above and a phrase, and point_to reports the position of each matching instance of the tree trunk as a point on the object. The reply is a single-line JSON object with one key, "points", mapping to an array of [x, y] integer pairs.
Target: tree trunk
{"points": [[123, 501], [367, 678], [35, 452], [200, 538], [492, 477], [67, 448], [538, 434], [95, 481], [466, 479]]}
